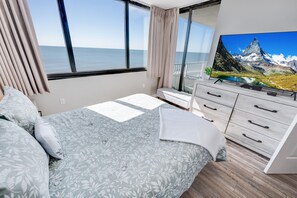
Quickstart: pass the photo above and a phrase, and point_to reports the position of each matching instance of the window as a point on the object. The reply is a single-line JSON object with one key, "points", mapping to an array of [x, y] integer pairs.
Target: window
{"points": [[138, 29], [49, 32], [96, 37], [180, 46], [97, 30], [197, 43]]}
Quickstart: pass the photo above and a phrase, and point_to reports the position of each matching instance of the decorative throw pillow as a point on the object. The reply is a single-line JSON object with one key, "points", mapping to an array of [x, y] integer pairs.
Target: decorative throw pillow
{"points": [[24, 168], [46, 135], [18, 108]]}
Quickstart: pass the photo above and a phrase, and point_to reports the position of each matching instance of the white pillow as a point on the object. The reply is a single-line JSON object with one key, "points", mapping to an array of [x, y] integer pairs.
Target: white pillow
{"points": [[46, 135], [18, 108]]}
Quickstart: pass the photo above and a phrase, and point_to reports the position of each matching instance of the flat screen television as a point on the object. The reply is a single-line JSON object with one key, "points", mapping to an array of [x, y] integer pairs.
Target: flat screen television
{"points": [[261, 59]]}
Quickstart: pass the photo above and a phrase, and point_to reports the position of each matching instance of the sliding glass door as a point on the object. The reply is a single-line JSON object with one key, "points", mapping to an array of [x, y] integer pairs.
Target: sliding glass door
{"points": [[182, 34], [196, 30]]}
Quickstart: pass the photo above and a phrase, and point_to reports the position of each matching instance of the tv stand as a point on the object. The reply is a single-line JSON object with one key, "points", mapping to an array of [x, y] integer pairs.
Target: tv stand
{"points": [[218, 80], [294, 94], [250, 118]]}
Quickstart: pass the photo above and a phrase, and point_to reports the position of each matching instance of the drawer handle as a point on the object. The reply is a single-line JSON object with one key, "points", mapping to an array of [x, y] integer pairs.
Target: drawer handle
{"points": [[273, 111], [207, 119], [214, 94], [210, 107], [265, 127], [244, 135]]}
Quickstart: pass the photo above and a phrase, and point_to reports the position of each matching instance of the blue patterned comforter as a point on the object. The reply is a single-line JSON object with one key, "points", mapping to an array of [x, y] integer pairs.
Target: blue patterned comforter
{"points": [[113, 150]]}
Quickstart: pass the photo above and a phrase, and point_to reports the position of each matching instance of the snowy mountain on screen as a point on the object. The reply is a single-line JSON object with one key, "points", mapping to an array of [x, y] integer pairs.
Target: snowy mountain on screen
{"points": [[256, 58]]}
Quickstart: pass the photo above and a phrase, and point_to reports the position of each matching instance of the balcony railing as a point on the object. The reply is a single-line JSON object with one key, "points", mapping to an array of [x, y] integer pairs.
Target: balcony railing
{"points": [[193, 71]]}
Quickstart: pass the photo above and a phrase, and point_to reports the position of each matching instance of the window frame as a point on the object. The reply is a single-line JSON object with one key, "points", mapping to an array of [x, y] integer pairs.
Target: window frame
{"points": [[68, 43], [185, 52]]}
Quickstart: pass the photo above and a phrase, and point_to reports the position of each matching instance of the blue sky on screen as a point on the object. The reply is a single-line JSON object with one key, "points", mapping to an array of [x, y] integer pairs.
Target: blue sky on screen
{"points": [[272, 43]]}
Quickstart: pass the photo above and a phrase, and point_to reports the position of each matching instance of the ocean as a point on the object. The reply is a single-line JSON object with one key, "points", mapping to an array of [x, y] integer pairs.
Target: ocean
{"points": [[56, 60]]}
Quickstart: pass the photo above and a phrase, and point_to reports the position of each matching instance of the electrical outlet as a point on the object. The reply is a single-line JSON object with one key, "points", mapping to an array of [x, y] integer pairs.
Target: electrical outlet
{"points": [[62, 101]]}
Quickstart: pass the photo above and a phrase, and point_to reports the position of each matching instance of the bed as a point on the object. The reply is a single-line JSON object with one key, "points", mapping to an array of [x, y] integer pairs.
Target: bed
{"points": [[111, 149]]}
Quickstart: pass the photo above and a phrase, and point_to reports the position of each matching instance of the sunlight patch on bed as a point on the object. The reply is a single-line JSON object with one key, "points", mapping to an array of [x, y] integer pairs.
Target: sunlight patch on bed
{"points": [[143, 101], [115, 111]]}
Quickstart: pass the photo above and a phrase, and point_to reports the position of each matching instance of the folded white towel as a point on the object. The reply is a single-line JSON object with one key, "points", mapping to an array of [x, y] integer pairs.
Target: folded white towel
{"points": [[183, 126]]}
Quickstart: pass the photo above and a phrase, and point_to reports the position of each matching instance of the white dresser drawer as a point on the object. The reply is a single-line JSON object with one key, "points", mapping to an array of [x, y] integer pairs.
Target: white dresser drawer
{"points": [[214, 112], [271, 110], [212, 108], [216, 95], [259, 124], [251, 139], [221, 124]]}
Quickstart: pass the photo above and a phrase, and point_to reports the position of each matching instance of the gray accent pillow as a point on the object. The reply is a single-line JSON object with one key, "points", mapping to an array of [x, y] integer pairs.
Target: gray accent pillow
{"points": [[46, 135], [24, 170], [18, 108]]}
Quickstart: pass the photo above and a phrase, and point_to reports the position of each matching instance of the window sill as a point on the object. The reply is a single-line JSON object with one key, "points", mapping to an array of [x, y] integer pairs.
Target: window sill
{"points": [[178, 98], [60, 76]]}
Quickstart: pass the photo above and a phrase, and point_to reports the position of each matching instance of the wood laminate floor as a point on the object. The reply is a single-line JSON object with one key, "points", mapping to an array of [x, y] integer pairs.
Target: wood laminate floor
{"points": [[241, 176]]}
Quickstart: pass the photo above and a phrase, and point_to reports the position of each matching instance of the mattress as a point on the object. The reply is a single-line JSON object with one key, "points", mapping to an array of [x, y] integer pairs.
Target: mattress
{"points": [[113, 150]]}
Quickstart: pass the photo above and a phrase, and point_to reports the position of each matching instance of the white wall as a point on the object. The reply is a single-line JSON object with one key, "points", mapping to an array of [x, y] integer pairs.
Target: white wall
{"points": [[80, 92], [254, 16]]}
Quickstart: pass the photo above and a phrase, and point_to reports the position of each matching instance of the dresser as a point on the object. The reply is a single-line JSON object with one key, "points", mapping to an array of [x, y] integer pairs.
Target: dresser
{"points": [[250, 118]]}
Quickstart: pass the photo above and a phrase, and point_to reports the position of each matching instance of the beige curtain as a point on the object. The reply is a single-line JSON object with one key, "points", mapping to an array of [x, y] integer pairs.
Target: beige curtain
{"points": [[162, 45], [20, 62]]}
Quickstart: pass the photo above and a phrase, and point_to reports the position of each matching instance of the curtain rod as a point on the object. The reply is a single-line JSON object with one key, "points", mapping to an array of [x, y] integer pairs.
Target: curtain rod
{"points": [[199, 5], [137, 3], [181, 10]]}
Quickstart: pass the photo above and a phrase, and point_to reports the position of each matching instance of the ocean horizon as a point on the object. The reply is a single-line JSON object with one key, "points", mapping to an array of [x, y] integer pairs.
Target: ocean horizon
{"points": [[55, 59]]}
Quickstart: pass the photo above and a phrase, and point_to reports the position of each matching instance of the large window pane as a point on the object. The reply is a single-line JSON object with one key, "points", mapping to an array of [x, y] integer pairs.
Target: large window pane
{"points": [[46, 19], [97, 32], [138, 30], [200, 40], [199, 43], [180, 46]]}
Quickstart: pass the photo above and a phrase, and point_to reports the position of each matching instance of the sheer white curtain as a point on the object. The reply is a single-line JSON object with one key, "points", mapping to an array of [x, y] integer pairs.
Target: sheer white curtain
{"points": [[162, 45], [20, 62]]}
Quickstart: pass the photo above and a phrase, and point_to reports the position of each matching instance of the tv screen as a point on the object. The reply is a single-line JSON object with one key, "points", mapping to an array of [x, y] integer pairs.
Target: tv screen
{"points": [[262, 59]]}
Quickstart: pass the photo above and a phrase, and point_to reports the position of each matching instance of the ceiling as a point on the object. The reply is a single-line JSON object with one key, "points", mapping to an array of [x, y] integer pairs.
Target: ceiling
{"points": [[166, 4]]}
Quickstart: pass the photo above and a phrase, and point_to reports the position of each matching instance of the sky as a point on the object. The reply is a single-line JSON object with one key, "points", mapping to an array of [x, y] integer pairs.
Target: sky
{"points": [[272, 43], [200, 39], [100, 24], [92, 23]]}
